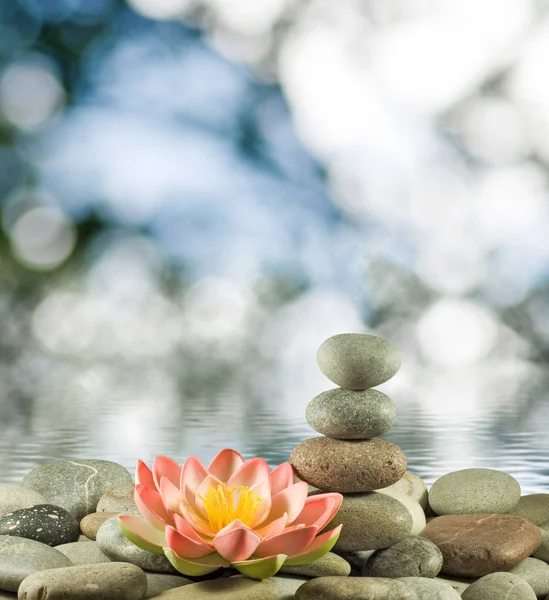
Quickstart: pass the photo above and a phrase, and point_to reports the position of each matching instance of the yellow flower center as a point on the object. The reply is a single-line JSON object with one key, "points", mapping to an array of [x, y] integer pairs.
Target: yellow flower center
{"points": [[225, 504]]}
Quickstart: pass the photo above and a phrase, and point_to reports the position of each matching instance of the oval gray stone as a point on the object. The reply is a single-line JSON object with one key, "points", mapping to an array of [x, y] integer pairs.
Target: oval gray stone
{"points": [[86, 582], [46, 523], [118, 547], [232, 588], [472, 491], [162, 582], [499, 586], [20, 557], [351, 414], [119, 499], [536, 573], [76, 485], [357, 361], [83, 553], [413, 556], [430, 589], [411, 485], [354, 588], [329, 564], [370, 521], [14, 496], [534, 507]]}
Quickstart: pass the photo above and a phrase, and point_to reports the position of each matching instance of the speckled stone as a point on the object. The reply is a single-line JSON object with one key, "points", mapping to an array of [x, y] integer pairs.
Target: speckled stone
{"points": [[19, 557], [354, 588], [370, 521], [348, 466], [499, 586], [479, 544], [430, 589], [534, 507], [413, 556], [329, 564], [14, 496], [232, 588], [76, 485], [411, 485], [357, 361], [474, 491], [83, 554], [118, 547], [418, 516], [86, 582], [536, 573], [119, 500], [90, 524], [46, 523], [351, 414], [162, 582]]}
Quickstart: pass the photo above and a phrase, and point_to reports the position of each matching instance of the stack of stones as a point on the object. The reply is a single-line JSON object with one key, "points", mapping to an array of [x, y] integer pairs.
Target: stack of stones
{"points": [[350, 458]]}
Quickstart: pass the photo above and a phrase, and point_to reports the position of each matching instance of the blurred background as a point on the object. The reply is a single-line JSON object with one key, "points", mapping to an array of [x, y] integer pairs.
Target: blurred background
{"points": [[196, 193]]}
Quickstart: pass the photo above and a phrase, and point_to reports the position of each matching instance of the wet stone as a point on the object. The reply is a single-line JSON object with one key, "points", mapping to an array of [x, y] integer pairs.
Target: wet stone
{"points": [[46, 523]]}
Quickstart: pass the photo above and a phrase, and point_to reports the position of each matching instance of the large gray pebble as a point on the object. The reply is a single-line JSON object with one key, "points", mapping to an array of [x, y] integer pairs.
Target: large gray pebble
{"points": [[162, 582], [20, 557], [329, 564], [354, 588], [83, 553], [430, 589], [119, 499], [14, 496], [536, 573], [76, 485], [534, 507], [357, 361], [232, 588], [117, 546], [411, 485], [351, 414], [413, 556], [471, 491], [86, 582], [543, 551], [499, 586]]}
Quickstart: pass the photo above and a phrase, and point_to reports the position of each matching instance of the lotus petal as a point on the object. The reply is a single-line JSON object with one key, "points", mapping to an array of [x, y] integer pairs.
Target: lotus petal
{"points": [[225, 463], [185, 528], [185, 546], [194, 519], [144, 475], [291, 542], [281, 477], [166, 467], [150, 506], [260, 568], [320, 510], [273, 528], [253, 471], [290, 500], [142, 533], [193, 474], [317, 548], [264, 493], [171, 496], [236, 542], [202, 492], [198, 566]]}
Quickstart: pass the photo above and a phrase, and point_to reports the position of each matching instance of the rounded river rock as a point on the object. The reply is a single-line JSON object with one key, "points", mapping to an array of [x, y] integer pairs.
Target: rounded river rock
{"points": [[499, 586], [479, 544], [354, 588], [351, 414], [14, 496], [474, 491], [357, 361], [370, 521], [348, 466], [536, 573], [534, 507], [430, 589], [46, 523]]}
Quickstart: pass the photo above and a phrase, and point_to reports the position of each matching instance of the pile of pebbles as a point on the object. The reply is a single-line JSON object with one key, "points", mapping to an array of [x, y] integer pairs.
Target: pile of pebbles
{"points": [[471, 536]]}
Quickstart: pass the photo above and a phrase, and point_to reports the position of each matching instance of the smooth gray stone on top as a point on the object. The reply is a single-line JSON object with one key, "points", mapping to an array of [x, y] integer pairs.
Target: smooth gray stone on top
{"points": [[115, 580], [536, 573], [83, 553], [413, 556], [14, 496], [20, 557], [117, 546], [357, 361], [76, 485], [470, 491], [351, 414], [430, 589], [499, 586]]}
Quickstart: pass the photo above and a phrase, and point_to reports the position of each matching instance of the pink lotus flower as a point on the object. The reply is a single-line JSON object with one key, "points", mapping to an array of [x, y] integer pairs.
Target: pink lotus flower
{"points": [[234, 512]]}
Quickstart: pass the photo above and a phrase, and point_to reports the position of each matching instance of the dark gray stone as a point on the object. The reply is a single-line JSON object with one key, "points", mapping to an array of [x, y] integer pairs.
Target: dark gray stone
{"points": [[351, 414], [76, 485], [357, 361], [19, 557], [413, 556], [46, 523]]}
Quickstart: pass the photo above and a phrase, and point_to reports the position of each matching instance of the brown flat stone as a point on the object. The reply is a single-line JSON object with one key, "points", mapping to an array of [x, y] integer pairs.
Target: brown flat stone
{"points": [[92, 522], [479, 544]]}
